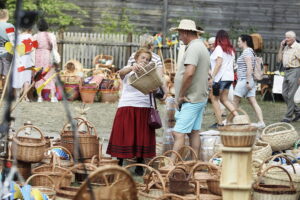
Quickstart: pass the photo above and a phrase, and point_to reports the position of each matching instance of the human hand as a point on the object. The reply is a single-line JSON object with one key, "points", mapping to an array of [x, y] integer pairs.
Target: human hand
{"points": [[283, 43], [180, 101], [135, 67], [210, 83]]}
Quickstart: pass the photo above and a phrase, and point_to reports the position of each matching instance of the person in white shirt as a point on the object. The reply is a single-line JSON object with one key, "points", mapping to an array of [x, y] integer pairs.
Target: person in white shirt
{"points": [[222, 75], [131, 136]]}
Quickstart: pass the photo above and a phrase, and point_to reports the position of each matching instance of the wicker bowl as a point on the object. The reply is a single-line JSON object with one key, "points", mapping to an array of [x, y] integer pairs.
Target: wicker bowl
{"points": [[238, 139], [214, 186]]}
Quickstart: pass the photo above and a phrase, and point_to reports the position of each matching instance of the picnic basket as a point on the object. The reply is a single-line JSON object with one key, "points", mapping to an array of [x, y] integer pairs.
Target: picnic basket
{"points": [[88, 141], [147, 80], [280, 136], [28, 149], [272, 191]]}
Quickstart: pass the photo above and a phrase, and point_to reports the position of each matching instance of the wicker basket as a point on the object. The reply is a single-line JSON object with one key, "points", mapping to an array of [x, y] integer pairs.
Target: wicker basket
{"points": [[236, 139], [147, 81], [179, 181], [102, 61], [28, 149], [162, 163], [280, 136], [122, 185], [88, 93], [88, 142], [24, 169], [109, 96], [83, 170], [46, 187], [72, 91], [239, 119], [60, 162], [261, 151], [70, 79], [274, 192]]}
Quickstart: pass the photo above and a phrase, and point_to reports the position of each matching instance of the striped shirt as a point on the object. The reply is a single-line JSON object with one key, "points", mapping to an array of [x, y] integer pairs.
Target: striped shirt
{"points": [[241, 62], [291, 56], [155, 58]]}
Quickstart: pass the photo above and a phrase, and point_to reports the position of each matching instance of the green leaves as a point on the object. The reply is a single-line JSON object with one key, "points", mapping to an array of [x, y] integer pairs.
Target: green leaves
{"points": [[56, 12]]}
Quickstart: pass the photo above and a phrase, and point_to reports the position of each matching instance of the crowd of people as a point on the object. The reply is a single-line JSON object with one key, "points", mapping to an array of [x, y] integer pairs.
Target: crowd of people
{"points": [[34, 53], [203, 73]]}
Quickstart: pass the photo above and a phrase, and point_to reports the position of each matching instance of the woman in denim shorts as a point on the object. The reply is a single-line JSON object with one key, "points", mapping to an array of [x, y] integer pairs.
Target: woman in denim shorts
{"points": [[222, 76], [246, 86]]}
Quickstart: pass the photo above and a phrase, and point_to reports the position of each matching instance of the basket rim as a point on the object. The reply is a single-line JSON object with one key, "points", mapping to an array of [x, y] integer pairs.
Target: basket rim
{"points": [[145, 74], [238, 134]]}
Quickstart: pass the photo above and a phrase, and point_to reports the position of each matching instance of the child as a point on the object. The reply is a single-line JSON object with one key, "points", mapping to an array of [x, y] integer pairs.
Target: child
{"points": [[7, 34], [131, 136]]}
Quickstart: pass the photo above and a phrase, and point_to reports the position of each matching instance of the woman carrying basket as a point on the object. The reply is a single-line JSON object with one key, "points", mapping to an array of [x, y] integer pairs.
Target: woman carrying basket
{"points": [[131, 136]]}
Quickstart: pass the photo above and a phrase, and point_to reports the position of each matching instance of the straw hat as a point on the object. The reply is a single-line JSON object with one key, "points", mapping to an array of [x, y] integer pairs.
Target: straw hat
{"points": [[187, 25], [211, 40], [78, 68]]}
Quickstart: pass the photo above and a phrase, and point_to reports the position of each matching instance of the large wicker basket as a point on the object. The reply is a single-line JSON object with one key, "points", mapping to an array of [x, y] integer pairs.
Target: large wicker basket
{"points": [[88, 141], [46, 187], [146, 81], [280, 136], [28, 149], [274, 192]]}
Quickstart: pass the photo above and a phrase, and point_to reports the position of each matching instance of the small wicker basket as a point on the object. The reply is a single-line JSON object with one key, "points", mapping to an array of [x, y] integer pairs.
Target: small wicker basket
{"points": [[29, 149], [47, 186], [146, 81]]}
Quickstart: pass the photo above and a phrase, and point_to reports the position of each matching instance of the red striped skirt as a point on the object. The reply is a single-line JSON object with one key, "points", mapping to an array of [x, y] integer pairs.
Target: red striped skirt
{"points": [[131, 135]]}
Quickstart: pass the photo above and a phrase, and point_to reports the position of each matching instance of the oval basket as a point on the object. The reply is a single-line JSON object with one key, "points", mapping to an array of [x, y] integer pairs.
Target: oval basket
{"points": [[28, 149], [280, 136], [238, 139], [261, 150]]}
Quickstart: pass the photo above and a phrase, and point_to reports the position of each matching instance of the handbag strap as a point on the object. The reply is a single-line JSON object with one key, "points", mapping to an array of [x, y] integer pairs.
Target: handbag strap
{"points": [[150, 96]]}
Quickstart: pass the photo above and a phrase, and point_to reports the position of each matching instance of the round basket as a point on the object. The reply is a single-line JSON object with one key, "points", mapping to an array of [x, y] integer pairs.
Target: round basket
{"points": [[261, 151], [280, 136], [272, 191], [238, 139], [88, 93], [46, 187], [162, 163], [28, 149], [88, 142], [72, 91], [83, 170], [204, 171], [109, 96]]}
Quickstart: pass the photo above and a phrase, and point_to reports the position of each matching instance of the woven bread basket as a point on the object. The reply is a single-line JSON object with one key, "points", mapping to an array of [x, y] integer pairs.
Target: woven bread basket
{"points": [[280, 136], [238, 139]]}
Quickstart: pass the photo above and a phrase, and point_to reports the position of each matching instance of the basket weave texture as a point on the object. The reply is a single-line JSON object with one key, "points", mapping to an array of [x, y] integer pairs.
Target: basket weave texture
{"points": [[147, 80], [280, 136], [29, 149]]}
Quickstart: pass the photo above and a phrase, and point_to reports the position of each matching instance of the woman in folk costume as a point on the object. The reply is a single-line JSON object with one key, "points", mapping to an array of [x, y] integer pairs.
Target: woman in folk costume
{"points": [[24, 61], [43, 58]]}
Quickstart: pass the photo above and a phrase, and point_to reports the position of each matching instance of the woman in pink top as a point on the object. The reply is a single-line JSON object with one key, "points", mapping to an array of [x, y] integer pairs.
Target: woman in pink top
{"points": [[46, 42]]}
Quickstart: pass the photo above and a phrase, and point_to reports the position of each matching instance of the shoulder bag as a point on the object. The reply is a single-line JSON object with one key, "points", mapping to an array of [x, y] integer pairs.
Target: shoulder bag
{"points": [[154, 118]]}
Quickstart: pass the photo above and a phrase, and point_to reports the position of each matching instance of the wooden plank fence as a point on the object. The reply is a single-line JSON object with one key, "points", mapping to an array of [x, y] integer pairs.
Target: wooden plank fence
{"points": [[85, 46]]}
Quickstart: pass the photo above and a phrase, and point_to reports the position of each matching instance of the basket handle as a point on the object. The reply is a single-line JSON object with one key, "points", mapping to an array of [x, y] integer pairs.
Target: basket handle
{"points": [[178, 167], [35, 175], [142, 69], [160, 158], [151, 170], [64, 149], [277, 125], [230, 115], [282, 155], [93, 160], [257, 182], [192, 151], [178, 156], [209, 166], [90, 126], [31, 126]]}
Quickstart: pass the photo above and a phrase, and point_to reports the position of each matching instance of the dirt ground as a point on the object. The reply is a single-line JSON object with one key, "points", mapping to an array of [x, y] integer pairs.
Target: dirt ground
{"points": [[51, 117]]}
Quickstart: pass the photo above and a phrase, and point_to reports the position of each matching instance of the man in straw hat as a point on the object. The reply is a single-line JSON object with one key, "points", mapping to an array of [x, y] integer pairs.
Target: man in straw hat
{"points": [[191, 86]]}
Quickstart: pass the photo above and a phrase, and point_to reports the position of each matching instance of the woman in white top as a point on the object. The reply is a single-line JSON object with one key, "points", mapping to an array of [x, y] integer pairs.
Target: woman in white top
{"points": [[131, 136], [222, 76]]}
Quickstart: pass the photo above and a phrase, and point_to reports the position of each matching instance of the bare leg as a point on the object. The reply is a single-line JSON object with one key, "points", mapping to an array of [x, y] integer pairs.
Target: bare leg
{"points": [[25, 88], [178, 143], [216, 107], [257, 109], [195, 142], [236, 101], [227, 103]]}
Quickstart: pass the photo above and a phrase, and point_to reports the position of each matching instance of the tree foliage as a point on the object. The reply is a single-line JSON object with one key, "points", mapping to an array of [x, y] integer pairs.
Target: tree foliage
{"points": [[56, 12]]}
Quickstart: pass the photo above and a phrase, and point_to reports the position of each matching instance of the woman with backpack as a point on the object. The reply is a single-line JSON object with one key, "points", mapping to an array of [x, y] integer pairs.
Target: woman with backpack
{"points": [[246, 85]]}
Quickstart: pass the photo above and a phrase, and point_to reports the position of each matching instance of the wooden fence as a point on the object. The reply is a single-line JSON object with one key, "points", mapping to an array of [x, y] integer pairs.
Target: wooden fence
{"points": [[85, 46]]}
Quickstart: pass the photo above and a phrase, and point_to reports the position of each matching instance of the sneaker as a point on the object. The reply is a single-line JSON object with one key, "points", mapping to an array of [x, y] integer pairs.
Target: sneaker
{"points": [[286, 121], [297, 117], [40, 100], [54, 100]]}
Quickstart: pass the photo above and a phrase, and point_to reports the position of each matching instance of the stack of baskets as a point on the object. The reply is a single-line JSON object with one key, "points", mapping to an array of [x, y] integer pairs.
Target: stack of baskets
{"points": [[146, 80]]}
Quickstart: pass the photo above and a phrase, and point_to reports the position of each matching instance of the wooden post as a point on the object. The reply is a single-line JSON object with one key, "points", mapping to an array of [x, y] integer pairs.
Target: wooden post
{"points": [[165, 18], [61, 47], [129, 48]]}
